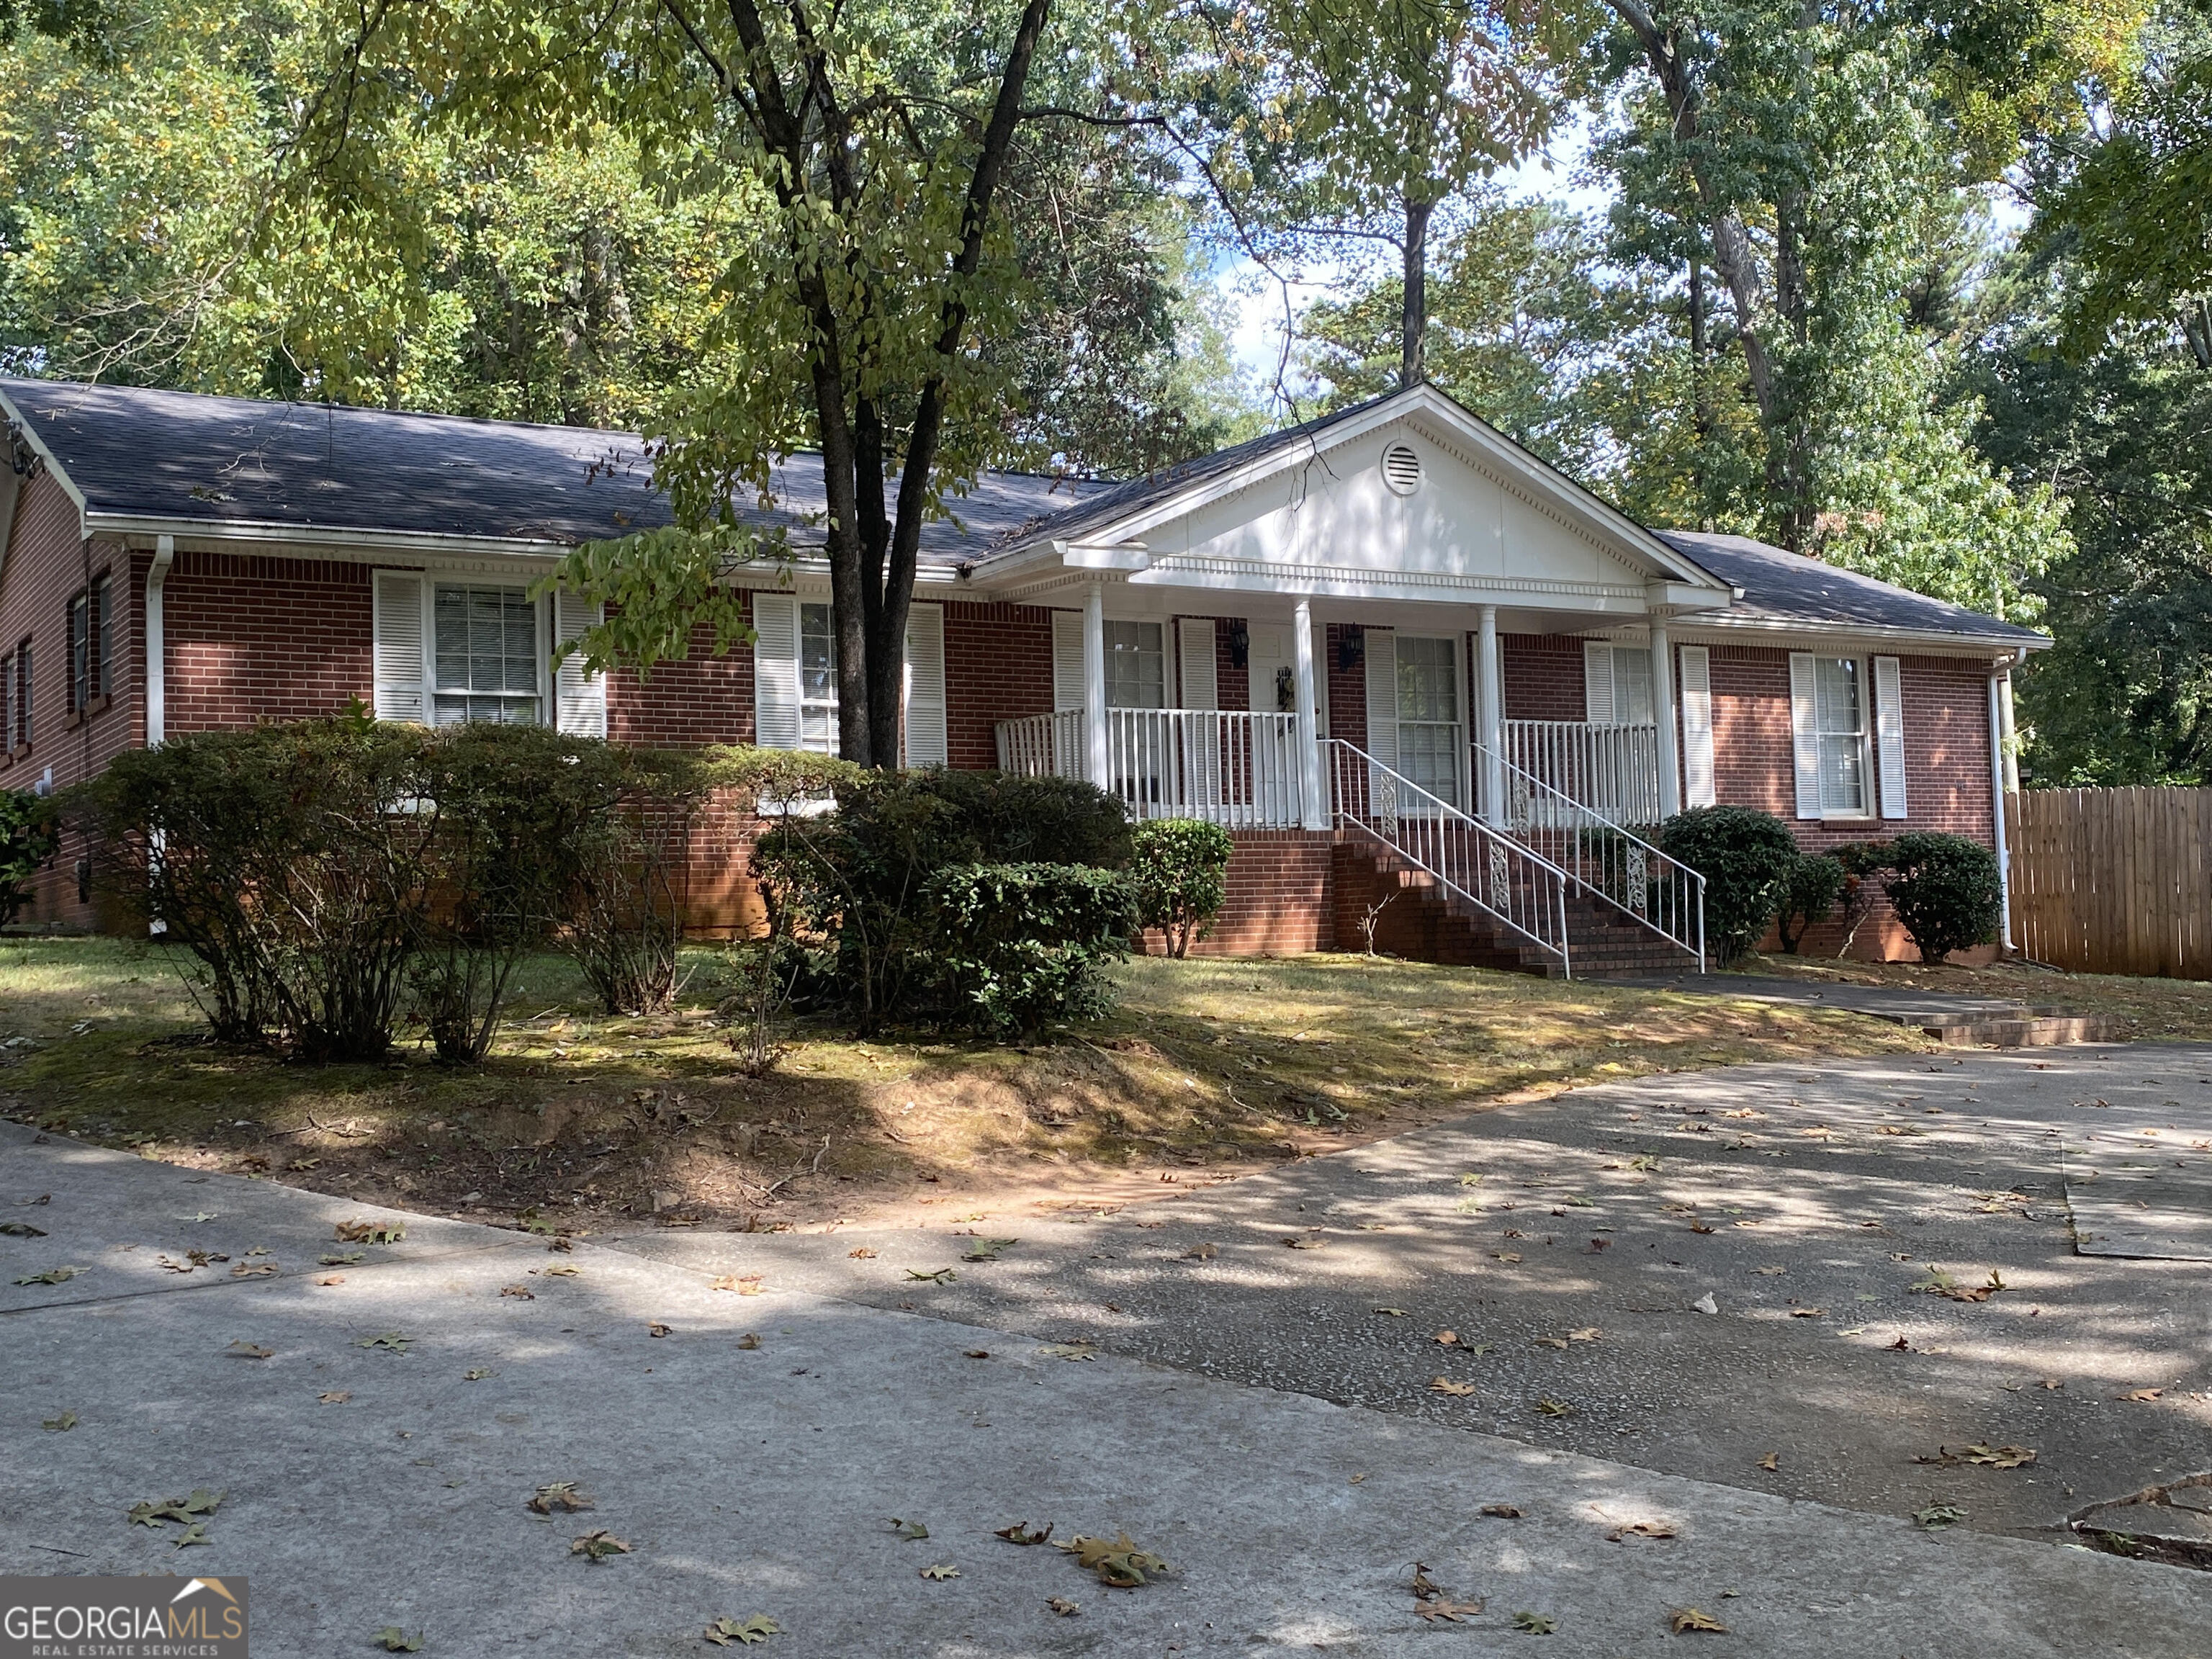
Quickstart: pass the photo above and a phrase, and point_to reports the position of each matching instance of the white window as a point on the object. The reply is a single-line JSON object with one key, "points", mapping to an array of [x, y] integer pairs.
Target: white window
{"points": [[487, 656], [1431, 742], [1136, 666], [817, 679], [1839, 723]]}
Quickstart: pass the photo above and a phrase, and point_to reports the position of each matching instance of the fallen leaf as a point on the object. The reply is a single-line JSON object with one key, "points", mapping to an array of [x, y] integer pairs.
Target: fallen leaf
{"points": [[942, 1276], [1772, 1463], [1305, 1242], [1549, 1341], [1809, 1313], [910, 1532], [1200, 1253], [1640, 1529], [940, 1570], [1707, 1304], [345, 1260], [560, 1273], [53, 1276], [393, 1639], [1770, 1272], [195, 1534], [21, 1230], [184, 1510], [390, 1341], [334, 1397], [1900, 1346], [1505, 1255], [565, 1496], [1940, 1515], [744, 1285], [863, 1254], [1118, 1562], [1445, 1385], [331, 1279], [1690, 1619], [1587, 1334], [2144, 1395], [749, 1341], [1069, 1350], [597, 1546], [1502, 1511], [987, 1249], [1062, 1606], [520, 1293], [1448, 1339], [252, 1269], [242, 1349], [758, 1628], [61, 1425], [1453, 1611], [369, 1232], [1394, 1313], [1536, 1624], [656, 1328], [1022, 1533], [1986, 1457], [478, 1375], [1699, 1227], [1555, 1408]]}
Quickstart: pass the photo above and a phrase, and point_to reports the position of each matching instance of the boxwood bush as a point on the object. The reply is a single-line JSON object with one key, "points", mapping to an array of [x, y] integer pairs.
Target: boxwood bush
{"points": [[1021, 944], [1746, 858], [1181, 870], [1946, 892]]}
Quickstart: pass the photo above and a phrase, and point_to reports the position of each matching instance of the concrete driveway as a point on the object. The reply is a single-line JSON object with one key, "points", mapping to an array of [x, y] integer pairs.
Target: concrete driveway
{"points": [[377, 1462]]}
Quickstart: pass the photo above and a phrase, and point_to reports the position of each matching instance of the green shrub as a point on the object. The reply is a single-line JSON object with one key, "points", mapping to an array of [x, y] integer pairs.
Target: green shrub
{"points": [[1815, 883], [28, 842], [854, 882], [1022, 944], [1946, 892], [1746, 857], [1865, 864], [1181, 870]]}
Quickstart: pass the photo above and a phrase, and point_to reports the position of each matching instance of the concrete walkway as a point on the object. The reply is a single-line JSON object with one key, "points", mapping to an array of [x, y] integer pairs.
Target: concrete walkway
{"points": [[753, 1454]]}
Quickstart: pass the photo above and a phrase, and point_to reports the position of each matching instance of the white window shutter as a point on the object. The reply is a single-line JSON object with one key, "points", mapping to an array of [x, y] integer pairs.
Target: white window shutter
{"points": [[926, 740], [398, 654], [1201, 687], [1597, 683], [1382, 650], [1804, 731], [775, 670], [1697, 694], [1067, 661], [1889, 734], [579, 699]]}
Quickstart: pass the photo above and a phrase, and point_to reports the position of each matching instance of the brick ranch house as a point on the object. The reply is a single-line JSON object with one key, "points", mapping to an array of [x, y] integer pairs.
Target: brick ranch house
{"points": [[1406, 663]]}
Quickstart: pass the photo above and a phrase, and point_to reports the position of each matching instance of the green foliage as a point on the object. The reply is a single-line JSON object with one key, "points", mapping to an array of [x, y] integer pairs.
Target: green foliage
{"points": [[1746, 858], [1946, 892], [1022, 944], [855, 882], [28, 842], [1810, 897], [1181, 869]]}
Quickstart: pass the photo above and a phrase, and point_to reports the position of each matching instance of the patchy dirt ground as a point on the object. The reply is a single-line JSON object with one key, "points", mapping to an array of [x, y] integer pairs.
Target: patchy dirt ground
{"points": [[581, 1122]]}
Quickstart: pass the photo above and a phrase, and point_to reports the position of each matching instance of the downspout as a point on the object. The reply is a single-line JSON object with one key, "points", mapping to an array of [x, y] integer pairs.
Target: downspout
{"points": [[157, 685], [2000, 673]]}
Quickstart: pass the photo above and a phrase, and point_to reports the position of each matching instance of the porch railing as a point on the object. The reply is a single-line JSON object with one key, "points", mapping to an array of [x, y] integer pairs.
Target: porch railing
{"points": [[1606, 857], [1613, 770], [1236, 768], [1494, 872]]}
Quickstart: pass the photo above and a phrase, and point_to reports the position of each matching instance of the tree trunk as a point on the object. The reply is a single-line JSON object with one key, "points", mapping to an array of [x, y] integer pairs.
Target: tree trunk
{"points": [[1413, 321]]}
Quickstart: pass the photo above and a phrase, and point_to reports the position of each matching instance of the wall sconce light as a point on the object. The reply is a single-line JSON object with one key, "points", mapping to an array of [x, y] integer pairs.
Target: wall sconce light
{"points": [[1240, 644], [1351, 649]]}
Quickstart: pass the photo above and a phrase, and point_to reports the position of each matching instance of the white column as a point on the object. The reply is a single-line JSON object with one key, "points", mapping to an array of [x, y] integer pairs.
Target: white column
{"points": [[1314, 807], [1490, 717], [1662, 711], [1100, 767], [157, 679]]}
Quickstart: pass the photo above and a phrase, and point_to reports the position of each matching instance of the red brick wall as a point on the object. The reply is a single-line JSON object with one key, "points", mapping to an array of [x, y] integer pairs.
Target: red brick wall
{"points": [[998, 666], [46, 564], [1543, 676], [1233, 685], [1347, 687], [251, 638], [703, 699]]}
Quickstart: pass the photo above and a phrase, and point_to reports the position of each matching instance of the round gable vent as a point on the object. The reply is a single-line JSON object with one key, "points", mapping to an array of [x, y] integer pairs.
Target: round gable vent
{"points": [[1401, 469]]}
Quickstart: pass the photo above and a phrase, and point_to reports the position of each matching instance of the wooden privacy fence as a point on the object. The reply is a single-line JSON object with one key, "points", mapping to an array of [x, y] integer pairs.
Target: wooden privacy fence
{"points": [[2114, 881]]}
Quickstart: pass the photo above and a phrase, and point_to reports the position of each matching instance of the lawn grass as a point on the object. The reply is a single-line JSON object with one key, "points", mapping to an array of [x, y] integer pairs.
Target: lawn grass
{"points": [[1215, 1062]]}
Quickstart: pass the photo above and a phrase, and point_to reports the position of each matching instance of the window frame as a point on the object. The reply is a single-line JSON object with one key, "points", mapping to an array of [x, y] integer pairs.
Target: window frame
{"points": [[823, 710], [1860, 738], [1137, 653], [540, 658], [20, 701], [1455, 656]]}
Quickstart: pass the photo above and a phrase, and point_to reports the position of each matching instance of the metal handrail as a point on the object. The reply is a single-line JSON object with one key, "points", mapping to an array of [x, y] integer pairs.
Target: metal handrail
{"points": [[1607, 858], [1504, 877]]}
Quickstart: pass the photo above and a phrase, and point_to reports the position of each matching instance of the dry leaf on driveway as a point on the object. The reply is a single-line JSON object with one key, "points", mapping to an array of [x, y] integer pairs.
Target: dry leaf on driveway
{"points": [[750, 1341], [334, 1397], [393, 1639], [1457, 1390], [1991, 1457], [1062, 1606], [1505, 1255], [1536, 1624], [1549, 1341], [369, 1232], [1587, 1334], [1448, 1339], [60, 1425], [941, 1570], [1640, 1529], [1306, 1242], [1453, 1611], [596, 1546], [1809, 1313], [1022, 1533], [1118, 1562], [656, 1328], [1772, 1463], [2144, 1395], [1502, 1511], [1940, 1515], [563, 1495], [1555, 1408], [863, 1254], [1690, 1619], [1200, 1253], [909, 1532], [1069, 1350], [758, 1628], [242, 1349], [520, 1293]]}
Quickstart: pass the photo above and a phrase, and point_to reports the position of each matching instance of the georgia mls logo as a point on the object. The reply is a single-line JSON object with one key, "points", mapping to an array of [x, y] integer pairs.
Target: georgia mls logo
{"points": [[122, 1619]]}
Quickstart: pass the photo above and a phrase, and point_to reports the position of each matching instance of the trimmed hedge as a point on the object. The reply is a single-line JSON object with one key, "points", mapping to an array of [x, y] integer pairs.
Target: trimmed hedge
{"points": [[1746, 858], [1946, 892], [1022, 944]]}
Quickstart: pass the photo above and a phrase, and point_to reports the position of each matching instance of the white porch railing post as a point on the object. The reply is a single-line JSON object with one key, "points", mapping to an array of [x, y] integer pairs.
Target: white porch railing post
{"points": [[1492, 718], [1662, 713], [1098, 760], [1312, 811]]}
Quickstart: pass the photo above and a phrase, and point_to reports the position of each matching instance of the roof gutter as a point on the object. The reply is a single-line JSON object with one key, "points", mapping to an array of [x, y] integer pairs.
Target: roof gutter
{"points": [[1739, 623]]}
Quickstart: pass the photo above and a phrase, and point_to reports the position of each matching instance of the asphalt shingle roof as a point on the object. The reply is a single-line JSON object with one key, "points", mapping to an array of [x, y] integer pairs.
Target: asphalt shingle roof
{"points": [[1791, 588], [180, 455], [188, 458]]}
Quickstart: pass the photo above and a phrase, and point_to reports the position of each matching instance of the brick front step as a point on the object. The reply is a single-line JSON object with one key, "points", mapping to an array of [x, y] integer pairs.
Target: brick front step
{"points": [[1424, 921]]}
